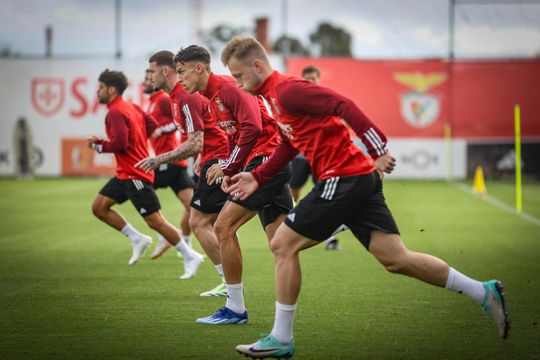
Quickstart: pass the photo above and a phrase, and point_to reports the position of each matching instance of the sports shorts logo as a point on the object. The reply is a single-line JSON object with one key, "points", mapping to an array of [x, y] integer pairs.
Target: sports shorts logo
{"points": [[143, 211], [197, 202], [291, 216]]}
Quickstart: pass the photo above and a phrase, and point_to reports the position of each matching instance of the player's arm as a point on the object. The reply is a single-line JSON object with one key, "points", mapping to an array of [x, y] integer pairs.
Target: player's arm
{"points": [[245, 109], [118, 133], [308, 98], [192, 115], [246, 183]]}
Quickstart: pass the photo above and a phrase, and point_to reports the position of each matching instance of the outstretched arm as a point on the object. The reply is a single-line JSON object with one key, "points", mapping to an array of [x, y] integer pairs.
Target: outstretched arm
{"points": [[192, 146]]}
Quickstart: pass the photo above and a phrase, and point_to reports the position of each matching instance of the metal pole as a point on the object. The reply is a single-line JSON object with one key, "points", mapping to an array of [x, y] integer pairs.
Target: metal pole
{"points": [[284, 31], [118, 28]]}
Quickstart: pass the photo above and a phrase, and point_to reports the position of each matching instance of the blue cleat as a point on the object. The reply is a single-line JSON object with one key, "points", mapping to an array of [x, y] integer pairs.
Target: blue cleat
{"points": [[267, 347], [224, 316], [495, 306]]}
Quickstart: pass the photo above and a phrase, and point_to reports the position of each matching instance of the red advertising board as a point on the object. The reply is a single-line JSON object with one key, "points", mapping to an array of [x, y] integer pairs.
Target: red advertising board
{"points": [[416, 98], [79, 160]]}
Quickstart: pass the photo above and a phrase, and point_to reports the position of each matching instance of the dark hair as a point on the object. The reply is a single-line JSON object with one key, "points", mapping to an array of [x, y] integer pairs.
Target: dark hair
{"points": [[193, 53], [163, 58], [311, 69], [115, 79]]}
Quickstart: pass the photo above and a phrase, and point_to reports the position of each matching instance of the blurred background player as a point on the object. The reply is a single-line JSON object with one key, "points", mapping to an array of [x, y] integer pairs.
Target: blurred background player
{"points": [[252, 136], [300, 166], [128, 129], [204, 138], [349, 190], [166, 138]]}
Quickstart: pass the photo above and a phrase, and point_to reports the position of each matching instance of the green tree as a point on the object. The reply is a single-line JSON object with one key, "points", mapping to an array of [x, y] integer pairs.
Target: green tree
{"points": [[218, 36], [331, 40], [288, 45]]}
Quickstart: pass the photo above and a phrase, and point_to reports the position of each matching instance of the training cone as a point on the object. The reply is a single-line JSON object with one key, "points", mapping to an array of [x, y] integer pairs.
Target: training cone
{"points": [[479, 185]]}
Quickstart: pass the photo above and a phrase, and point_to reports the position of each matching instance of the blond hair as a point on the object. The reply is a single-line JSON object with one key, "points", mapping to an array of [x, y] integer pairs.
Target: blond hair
{"points": [[244, 49]]}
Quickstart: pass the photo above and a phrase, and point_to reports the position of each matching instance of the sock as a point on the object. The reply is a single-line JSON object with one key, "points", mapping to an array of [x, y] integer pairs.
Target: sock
{"points": [[465, 285], [235, 298], [185, 250], [283, 324], [160, 237], [219, 269], [187, 239], [131, 232]]}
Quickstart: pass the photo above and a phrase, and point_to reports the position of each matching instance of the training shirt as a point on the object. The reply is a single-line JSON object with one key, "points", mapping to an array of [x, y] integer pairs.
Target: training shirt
{"points": [[308, 118], [128, 128], [191, 114], [160, 109], [244, 118]]}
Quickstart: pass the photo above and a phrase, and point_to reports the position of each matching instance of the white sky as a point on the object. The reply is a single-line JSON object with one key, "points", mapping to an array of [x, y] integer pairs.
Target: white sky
{"points": [[380, 28]]}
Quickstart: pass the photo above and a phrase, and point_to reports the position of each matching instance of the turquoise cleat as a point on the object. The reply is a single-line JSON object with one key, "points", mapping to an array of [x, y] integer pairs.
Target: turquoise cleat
{"points": [[267, 347], [495, 306]]}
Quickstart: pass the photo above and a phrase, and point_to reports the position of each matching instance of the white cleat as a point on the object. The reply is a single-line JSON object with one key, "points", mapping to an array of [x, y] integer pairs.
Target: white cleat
{"points": [[139, 246], [191, 266], [162, 246]]}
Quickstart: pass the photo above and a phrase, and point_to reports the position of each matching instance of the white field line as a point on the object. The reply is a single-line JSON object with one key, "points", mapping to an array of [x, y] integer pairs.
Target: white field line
{"points": [[498, 204]]}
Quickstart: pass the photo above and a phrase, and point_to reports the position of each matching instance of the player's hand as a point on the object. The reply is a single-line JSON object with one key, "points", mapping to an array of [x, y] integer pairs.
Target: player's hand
{"points": [[157, 133], [93, 140], [197, 166], [226, 183], [243, 185], [214, 173], [385, 163], [148, 164]]}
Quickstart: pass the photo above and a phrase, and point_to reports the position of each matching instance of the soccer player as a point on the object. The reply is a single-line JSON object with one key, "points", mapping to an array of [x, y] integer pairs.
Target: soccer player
{"points": [[128, 129], [348, 190], [300, 166], [174, 175], [252, 136], [189, 112]]}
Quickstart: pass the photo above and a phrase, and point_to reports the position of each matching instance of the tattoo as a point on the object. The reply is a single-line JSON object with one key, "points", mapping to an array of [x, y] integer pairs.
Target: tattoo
{"points": [[192, 146]]}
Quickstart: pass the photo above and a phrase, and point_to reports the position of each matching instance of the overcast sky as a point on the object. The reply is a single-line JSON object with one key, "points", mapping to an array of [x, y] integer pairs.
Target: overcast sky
{"points": [[380, 28]]}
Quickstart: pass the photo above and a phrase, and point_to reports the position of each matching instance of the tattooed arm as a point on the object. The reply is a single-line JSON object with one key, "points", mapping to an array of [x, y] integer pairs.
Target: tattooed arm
{"points": [[192, 146]]}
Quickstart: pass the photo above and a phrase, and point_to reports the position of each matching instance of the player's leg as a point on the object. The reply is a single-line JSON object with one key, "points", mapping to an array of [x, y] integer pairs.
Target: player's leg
{"points": [[114, 192], [202, 225], [229, 220], [300, 171], [185, 196], [144, 198], [286, 246]]}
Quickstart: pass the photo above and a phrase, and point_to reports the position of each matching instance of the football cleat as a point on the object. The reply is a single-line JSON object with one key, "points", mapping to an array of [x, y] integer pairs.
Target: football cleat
{"points": [[139, 246], [224, 316], [191, 266], [495, 306], [220, 290], [267, 347], [162, 246]]}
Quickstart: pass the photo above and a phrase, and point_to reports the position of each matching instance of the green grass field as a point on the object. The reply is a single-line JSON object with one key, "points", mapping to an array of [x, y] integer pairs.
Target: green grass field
{"points": [[67, 292]]}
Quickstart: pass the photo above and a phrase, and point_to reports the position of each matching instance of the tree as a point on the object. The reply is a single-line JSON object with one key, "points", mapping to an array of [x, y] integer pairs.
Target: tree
{"points": [[287, 45], [331, 40], [219, 35]]}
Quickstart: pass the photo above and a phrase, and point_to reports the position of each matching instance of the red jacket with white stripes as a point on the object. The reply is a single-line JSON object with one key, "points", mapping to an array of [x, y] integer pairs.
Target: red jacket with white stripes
{"points": [[308, 117], [244, 118], [191, 114], [128, 128]]}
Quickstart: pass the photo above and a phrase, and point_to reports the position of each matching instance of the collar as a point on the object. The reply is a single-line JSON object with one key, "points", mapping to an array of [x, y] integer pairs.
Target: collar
{"points": [[117, 100], [156, 94], [212, 87], [267, 84]]}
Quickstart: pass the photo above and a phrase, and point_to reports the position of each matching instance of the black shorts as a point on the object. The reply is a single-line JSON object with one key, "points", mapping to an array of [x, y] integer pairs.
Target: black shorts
{"points": [[208, 199], [272, 198], [356, 201], [300, 172], [173, 176], [140, 193]]}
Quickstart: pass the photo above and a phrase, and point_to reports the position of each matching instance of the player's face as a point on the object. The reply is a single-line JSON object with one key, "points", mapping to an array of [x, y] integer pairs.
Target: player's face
{"points": [[313, 77], [157, 75], [245, 74], [103, 93], [189, 75], [148, 88]]}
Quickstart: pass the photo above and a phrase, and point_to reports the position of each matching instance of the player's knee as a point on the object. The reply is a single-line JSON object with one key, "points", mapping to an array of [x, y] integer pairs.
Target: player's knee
{"points": [[279, 248], [197, 222], [396, 265], [223, 231], [154, 221], [98, 210]]}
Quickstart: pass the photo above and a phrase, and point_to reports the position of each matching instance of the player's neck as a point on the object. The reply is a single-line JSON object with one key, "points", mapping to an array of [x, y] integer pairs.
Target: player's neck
{"points": [[170, 84]]}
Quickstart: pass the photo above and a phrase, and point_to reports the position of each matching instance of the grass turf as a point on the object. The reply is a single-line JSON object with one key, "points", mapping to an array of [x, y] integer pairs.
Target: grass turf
{"points": [[67, 292]]}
